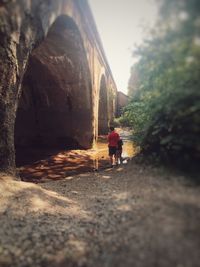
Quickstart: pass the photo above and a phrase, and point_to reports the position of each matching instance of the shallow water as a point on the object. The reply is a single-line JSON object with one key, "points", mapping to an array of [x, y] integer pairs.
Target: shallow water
{"points": [[55, 165]]}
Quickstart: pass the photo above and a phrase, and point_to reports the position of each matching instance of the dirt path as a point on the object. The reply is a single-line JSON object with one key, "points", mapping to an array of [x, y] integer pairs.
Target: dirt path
{"points": [[127, 216]]}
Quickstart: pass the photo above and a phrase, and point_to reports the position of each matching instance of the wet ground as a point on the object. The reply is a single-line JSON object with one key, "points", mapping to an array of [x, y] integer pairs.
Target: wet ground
{"points": [[39, 165]]}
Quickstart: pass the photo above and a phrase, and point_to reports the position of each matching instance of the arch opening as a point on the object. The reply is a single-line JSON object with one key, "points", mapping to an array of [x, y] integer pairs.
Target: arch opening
{"points": [[55, 108], [103, 108]]}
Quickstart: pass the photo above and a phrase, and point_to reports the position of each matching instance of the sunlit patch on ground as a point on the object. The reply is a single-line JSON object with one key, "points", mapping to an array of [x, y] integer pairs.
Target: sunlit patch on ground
{"points": [[106, 177]]}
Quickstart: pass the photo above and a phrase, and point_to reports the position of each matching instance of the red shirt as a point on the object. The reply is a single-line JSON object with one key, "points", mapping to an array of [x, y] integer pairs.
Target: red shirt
{"points": [[113, 139]]}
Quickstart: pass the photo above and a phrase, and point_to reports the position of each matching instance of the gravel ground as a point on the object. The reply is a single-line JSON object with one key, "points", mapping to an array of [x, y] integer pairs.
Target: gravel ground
{"points": [[132, 216]]}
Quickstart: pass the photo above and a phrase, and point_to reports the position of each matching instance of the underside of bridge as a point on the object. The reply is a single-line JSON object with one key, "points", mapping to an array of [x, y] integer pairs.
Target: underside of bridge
{"points": [[103, 108], [52, 92], [55, 107]]}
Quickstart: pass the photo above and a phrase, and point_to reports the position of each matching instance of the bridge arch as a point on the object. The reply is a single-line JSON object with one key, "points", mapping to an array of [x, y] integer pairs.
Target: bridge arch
{"points": [[24, 33], [103, 107], [55, 107]]}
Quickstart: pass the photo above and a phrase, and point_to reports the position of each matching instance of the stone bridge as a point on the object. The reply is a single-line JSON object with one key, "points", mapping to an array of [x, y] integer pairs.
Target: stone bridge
{"points": [[56, 87]]}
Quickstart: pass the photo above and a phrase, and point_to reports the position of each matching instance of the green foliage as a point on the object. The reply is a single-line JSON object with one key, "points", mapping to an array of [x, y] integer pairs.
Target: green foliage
{"points": [[165, 107], [121, 122], [124, 122]]}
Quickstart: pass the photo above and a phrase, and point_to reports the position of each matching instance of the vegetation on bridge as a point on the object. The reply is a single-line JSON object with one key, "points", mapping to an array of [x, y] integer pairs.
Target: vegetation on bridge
{"points": [[165, 87]]}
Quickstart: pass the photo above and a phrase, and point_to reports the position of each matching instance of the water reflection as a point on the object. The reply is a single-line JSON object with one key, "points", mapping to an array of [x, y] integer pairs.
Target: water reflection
{"points": [[65, 163]]}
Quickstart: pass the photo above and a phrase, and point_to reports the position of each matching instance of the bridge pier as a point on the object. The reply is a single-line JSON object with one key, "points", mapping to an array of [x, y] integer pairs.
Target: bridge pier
{"points": [[55, 109], [103, 122]]}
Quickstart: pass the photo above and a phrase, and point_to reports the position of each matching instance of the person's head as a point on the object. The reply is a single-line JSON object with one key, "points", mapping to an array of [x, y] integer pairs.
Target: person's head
{"points": [[112, 128]]}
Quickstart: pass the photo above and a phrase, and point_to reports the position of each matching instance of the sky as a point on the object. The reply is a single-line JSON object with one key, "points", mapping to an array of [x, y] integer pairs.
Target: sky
{"points": [[121, 24]]}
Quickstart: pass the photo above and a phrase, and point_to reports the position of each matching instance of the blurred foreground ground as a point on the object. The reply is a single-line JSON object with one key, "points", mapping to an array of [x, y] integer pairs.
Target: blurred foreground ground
{"points": [[132, 215]]}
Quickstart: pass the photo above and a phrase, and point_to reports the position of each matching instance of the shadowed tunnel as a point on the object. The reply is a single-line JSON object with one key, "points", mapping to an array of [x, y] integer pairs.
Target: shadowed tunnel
{"points": [[55, 107]]}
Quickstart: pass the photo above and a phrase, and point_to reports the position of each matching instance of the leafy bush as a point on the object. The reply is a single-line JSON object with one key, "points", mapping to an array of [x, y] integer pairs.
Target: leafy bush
{"points": [[165, 106], [124, 122]]}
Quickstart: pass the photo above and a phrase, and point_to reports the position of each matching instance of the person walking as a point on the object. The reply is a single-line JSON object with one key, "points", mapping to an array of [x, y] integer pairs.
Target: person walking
{"points": [[113, 139]]}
